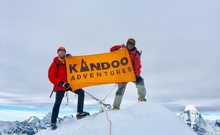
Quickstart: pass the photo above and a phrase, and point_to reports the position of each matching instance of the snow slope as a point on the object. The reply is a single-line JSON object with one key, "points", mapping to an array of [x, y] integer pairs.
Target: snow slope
{"points": [[140, 119]]}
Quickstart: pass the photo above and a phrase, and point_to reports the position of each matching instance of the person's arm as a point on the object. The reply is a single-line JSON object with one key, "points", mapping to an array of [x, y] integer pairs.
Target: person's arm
{"points": [[116, 47], [138, 65], [52, 74]]}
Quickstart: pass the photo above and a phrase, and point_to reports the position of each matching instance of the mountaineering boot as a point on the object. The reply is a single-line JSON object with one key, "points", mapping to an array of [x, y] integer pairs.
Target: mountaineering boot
{"points": [[53, 126], [82, 115], [142, 99], [115, 108]]}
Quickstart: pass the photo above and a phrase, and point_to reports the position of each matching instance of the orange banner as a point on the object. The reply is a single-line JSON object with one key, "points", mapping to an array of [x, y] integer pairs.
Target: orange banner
{"points": [[89, 70]]}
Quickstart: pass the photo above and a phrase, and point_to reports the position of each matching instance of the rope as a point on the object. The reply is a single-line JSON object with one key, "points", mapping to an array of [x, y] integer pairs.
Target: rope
{"points": [[108, 94], [104, 109], [108, 120]]}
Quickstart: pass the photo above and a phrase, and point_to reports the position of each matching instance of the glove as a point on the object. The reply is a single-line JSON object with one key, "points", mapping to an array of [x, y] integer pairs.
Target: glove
{"points": [[65, 85], [139, 79], [68, 55]]}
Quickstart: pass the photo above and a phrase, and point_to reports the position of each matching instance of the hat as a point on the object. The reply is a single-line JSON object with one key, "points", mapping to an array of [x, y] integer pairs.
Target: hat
{"points": [[131, 41], [61, 49]]}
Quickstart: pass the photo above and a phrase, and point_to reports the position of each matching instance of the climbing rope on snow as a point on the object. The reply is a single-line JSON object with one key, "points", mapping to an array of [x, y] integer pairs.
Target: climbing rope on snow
{"points": [[100, 101], [105, 107], [108, 120]]}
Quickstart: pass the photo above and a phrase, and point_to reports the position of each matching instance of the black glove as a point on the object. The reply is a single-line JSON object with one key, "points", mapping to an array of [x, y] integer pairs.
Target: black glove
{"points": [[139, 79], [68, 55], [65, 85]]}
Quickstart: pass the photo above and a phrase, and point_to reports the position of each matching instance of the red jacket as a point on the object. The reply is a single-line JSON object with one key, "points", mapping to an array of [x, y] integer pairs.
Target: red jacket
{"points": [[135, 58], [57, 73]]}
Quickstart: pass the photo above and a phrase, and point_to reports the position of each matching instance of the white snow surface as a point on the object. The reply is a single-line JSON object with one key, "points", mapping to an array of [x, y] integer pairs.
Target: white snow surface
{"points": [[137, 119]]}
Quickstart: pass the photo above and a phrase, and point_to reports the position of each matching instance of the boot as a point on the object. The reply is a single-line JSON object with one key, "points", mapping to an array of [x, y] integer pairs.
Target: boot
{"points": [[115, 108], [53, 126], [142, 99], [82, 115]]}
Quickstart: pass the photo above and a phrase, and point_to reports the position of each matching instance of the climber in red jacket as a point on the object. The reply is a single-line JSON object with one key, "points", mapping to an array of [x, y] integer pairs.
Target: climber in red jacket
{"points": [[58, 77], [135, 56]]}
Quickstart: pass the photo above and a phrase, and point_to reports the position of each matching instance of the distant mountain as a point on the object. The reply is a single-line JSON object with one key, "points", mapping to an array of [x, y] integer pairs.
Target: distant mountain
{"points": [[144, 118], [28, 127], [193, 118], [217, 123]]}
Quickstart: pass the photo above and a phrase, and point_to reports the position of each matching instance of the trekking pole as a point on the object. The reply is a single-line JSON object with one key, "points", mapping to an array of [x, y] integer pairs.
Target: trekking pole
{"points": [[148, 86], [51, 94], [67, 98]]}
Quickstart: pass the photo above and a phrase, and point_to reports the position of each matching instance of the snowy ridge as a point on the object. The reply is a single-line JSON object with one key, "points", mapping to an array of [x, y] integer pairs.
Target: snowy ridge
{"points": [[141, 119]]}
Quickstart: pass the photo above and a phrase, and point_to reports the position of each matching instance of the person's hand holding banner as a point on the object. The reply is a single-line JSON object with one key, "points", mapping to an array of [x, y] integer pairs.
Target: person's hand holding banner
{"points": [[89, 70]]}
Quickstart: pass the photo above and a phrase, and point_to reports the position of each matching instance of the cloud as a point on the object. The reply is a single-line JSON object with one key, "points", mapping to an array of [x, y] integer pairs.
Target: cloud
{"points": [[179, 40]]}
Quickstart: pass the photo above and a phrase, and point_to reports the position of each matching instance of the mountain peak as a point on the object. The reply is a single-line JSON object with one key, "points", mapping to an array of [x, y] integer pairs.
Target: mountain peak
{"points": [[141, 119]]}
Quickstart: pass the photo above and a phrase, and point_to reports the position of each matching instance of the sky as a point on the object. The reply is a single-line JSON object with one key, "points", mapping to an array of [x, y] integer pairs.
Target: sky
{"points": [[179, 40]]}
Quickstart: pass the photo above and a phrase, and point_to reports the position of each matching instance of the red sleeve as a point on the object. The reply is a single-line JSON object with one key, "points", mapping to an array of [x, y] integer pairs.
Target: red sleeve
{"points": [[137, 65], [116, 47], [52, 74]]}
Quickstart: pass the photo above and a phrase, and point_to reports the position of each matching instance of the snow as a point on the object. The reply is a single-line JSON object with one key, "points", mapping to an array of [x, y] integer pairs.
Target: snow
{"points": [[194, 119], [191, 108], [141, 119]]}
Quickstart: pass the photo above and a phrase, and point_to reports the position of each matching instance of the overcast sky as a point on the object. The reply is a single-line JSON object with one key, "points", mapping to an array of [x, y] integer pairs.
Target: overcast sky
{"points": [[179, 39]]}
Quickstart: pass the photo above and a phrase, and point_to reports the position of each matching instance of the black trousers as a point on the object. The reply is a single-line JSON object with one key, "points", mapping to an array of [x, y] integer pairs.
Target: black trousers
{"points": [[58, 101]]}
